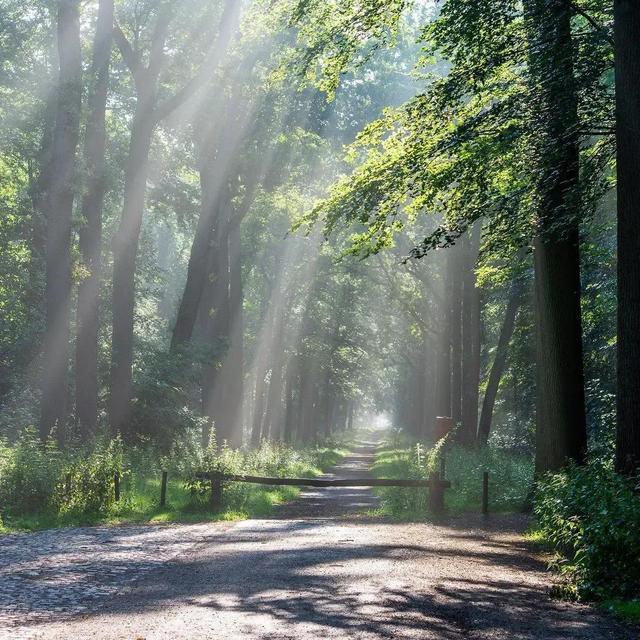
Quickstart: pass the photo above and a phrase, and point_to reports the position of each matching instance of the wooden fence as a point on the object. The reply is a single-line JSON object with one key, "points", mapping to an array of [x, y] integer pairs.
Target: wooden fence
{"points": [[435, 484]]}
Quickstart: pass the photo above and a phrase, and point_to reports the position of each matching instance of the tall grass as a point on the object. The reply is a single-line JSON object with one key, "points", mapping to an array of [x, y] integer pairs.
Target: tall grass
{"points": [[42, 486], [510, 478]]}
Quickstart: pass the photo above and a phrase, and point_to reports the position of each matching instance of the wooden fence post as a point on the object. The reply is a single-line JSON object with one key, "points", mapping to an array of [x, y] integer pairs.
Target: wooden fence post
{"points": [[216, 490], [485, 493], [163, 489], [116, 486], [436, 494]]}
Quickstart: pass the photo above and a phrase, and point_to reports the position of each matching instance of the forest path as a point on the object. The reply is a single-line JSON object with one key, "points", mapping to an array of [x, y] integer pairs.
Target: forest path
{"points": [[318, 569]]}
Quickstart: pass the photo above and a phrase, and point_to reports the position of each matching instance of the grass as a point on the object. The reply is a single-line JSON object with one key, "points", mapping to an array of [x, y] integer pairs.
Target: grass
{"points": [[140, 497], [510, 479], [625, 610]]}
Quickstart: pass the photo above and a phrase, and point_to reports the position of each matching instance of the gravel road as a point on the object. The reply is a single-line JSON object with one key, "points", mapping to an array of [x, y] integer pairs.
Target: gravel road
{"points": [[319, 569]]}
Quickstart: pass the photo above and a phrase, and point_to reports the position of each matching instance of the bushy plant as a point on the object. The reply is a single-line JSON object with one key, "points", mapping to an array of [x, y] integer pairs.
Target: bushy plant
{"points": [[29, 474], [87, 484], [40, 485], [511, 477], [164, 384], [591, 516]]}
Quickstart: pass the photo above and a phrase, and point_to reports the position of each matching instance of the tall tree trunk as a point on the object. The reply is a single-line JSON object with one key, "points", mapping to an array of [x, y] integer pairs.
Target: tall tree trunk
{"points": [[219, 150], [499, 361], [560, 406], [455, 278], [445, 362], [350, 416], [235, 355], [427, 396], [125, 251], [627, 37], [91, 230], [59, 209], [470, 338], [149, 112], [258, 407], [306, 416], [274, 410], [229, 383], [291, 400], [218, 320], [197, 269]]}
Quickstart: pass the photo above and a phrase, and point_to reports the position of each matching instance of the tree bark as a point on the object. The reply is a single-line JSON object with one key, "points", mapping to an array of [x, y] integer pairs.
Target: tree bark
{"points": [[218, 320], [59, 209], [149, 112], [291, 406], [470, 338], [499, 361], [90, 234], [235, 354], [627, 36], [447, 344], [125, 250], [560, 405]]}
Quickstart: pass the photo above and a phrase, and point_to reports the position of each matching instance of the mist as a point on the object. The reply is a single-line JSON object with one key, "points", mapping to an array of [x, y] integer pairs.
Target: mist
{"points": [[336, 301]]}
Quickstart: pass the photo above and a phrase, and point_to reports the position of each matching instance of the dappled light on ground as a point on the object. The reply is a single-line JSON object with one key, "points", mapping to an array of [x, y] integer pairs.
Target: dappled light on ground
{"points": [[319, 569]]}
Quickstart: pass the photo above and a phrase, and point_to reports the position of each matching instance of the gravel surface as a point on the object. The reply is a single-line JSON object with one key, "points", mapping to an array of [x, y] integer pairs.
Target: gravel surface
{"points": [[319, 569]]}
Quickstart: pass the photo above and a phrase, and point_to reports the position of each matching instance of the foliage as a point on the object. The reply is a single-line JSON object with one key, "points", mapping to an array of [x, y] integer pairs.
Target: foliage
{"points": [[591, 516], [87, 483], [628, 610], [42, 486], [29, 474], [511, 478]]}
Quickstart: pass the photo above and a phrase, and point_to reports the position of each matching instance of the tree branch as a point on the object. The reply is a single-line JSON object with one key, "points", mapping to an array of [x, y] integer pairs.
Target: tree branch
{"points": [[226, 31], [158, 40], [594, 23], [130, 57]]}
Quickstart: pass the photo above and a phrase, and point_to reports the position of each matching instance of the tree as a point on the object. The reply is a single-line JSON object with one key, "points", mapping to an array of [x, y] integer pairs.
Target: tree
{"points": [[627, 35], [150, 110], [90, 233], [560, 419], [470, 339], [497, 367], [59, 181]]}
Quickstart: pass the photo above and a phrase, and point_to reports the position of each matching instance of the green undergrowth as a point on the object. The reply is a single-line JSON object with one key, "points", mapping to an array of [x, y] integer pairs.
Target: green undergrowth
{"points": [[510, 479], [625, 610], [589, 517], [43, 487], [628, 611]]}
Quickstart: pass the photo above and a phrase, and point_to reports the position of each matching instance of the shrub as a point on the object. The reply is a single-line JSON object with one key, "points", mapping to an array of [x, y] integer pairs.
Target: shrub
{"points": [[91, 479], [591, 516], [29, 474], [510, 476], [43, 486]]}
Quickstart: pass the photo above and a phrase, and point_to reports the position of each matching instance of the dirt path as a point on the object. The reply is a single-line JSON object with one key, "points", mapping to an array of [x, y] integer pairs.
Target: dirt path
{"points": [[320, 570]]}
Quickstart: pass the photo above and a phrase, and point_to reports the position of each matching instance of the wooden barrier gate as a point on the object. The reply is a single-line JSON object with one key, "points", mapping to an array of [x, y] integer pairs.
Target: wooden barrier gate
{"points": [[436, 485]]}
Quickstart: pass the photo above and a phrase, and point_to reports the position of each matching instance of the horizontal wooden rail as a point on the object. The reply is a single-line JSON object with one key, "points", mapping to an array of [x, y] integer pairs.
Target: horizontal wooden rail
{"points": [[320, 482]]}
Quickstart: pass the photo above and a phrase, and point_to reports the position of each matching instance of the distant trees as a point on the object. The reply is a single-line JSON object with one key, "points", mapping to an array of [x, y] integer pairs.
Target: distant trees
{"points": [[528, 81], [197, 158]]}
